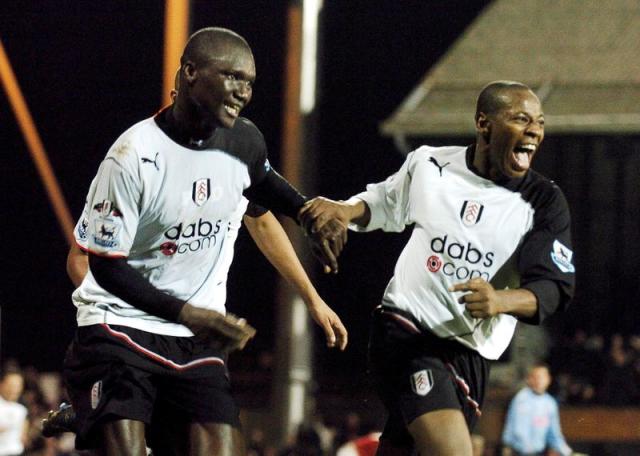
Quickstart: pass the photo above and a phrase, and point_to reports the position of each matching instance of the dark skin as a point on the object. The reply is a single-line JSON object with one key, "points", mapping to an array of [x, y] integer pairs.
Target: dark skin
{"points": [[219, 89], [213, 91], [211, 95], [506, 143]]}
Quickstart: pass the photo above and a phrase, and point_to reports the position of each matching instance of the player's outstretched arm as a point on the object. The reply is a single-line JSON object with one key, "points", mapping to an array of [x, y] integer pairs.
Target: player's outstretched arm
{"points": [[326, 223], [273, 242], [316, 215]]}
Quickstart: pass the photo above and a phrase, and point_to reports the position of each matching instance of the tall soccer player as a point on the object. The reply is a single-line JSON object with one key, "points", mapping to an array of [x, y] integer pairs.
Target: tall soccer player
{"points": [[163, 215]]}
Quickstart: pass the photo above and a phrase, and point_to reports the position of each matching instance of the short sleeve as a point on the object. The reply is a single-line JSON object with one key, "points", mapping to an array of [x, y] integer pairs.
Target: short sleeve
{"points": [[388, 201], [113, 210], [255, 210]]}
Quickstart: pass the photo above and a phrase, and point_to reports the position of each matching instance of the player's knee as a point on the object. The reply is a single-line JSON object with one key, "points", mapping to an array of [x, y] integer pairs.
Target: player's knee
{"points": [[217, 438]]}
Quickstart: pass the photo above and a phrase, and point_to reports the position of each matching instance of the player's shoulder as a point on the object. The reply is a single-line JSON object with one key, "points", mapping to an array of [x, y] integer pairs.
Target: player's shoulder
{"points": [[247, 130], [129, 143], [439, 156], [537, 187], [425, 152], [244, 141]]}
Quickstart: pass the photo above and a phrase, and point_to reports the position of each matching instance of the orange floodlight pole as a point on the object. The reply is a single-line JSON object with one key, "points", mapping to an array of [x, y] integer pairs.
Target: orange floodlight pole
{"points": [[176, 29], [34, 144]]}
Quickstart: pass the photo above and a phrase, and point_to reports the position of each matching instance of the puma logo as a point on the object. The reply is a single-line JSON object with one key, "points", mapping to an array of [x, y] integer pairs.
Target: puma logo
{"points": [[154, 161], [435, 162]]}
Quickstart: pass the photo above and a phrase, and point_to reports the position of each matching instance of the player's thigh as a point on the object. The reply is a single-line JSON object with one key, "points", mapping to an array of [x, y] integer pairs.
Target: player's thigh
{"points": [[195, 413], [123, 438], [441, 433], [105, 382]]}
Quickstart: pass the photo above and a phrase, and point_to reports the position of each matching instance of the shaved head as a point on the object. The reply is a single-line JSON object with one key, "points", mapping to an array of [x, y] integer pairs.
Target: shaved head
{"points": [[207, 43], [494, 96]]}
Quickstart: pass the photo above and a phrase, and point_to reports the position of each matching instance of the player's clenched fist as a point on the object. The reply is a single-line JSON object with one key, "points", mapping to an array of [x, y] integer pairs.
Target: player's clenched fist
{"points": [[228, 332]]}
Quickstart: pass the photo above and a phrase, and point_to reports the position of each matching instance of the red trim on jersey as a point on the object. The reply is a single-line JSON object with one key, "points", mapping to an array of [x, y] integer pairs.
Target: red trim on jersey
{"points": [[161, 359]]}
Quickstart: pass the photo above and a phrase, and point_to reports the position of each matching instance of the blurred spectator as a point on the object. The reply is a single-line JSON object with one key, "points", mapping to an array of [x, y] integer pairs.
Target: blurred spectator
{"points": [[619, 387], [305, 443], [587, 373], [365, 445], [257, 445], [365, 441], [349, 429], [533, 421], [13, 415]]}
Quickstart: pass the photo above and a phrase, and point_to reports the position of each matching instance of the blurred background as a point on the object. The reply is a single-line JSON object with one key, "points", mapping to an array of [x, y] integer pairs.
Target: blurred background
{"points": [[385, 71]]}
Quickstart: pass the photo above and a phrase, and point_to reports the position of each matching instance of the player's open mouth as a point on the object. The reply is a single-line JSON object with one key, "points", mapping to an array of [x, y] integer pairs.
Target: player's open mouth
{"points": [[522, 156], [232, 110]]}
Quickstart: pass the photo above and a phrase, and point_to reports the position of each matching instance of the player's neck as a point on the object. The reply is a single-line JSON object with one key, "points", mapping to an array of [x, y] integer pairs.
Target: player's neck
{"points": [[190, 123]]}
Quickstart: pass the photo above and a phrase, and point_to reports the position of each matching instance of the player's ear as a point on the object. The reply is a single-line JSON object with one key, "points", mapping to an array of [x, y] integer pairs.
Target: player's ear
{"points": [[189, 71], [483, 126]]}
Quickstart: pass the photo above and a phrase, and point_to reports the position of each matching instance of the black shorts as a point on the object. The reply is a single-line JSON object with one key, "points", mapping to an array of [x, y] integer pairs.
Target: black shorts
{"points": [[416, 372], [114, 372]]}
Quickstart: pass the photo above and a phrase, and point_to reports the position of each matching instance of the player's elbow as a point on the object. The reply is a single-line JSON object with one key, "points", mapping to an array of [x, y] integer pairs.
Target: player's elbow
{"points": [[107, 271]]}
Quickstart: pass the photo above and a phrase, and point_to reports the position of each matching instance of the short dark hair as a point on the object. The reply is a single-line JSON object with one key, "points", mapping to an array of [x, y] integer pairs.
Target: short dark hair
{"points": [[6, 371], [205, 42], [491, 98]]}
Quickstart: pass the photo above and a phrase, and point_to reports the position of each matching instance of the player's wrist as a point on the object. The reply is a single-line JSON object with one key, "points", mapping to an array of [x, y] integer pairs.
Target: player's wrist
{"points": [[356, 211], [186, 316]]}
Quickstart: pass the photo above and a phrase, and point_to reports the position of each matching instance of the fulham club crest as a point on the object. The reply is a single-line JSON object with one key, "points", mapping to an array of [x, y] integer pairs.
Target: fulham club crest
{"points": [[471, 212], [96, 394], [422, 382], [201, 191]]}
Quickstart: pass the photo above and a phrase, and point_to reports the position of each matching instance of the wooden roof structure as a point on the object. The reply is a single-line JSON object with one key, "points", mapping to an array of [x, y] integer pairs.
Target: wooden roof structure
{"points": [[582, 57]]}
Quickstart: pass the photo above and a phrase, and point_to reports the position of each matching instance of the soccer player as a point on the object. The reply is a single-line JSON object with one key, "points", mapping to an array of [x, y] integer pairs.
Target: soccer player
{"points": [[491, 245], [164, 210]]}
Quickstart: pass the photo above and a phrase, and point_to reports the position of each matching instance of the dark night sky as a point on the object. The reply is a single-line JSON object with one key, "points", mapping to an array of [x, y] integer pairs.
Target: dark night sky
{"points": [[89, 70]]}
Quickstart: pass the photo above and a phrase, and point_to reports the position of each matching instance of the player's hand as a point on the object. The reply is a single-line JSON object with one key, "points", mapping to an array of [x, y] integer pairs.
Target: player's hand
{"points": [[481, 301], [326, 224], [328, 320], [227, 332]]}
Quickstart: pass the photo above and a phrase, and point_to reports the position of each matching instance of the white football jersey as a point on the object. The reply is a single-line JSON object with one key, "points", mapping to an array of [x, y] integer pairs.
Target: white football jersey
{"points": [[513, 234], [173, 212]]}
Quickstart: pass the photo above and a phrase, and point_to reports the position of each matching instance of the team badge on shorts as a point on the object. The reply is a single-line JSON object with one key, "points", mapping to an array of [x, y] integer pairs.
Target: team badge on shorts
{"points": [[96, 394], [422, 382]]}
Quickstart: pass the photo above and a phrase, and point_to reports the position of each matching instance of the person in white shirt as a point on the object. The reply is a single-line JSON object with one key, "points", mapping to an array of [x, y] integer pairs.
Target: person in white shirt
{"points": [[14, 425], [491, 245], [164, 211]]}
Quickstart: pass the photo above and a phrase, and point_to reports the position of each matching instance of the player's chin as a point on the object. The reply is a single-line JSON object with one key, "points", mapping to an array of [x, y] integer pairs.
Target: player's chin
{"points": [[227, 122], [225, 119], [514, 171]]}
